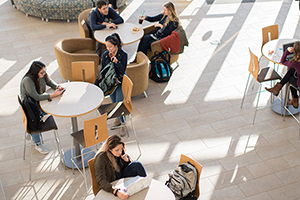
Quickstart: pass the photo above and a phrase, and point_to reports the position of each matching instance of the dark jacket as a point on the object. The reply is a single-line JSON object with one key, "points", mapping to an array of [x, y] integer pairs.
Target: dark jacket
{"points": [[96, 18], [290, 64], [121, 64], [166, 30], [105, 174]]}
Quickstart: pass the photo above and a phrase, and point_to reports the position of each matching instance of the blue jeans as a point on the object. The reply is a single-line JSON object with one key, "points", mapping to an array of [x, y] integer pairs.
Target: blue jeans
{"points": [[117, 96], [37, 137], [133, 169]]}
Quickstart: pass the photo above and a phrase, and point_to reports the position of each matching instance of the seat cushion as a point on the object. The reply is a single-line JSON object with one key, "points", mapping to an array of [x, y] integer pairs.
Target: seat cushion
{"points": [[268, 74], [113, 110], [83, 51], [48, 126], [79, 137]]}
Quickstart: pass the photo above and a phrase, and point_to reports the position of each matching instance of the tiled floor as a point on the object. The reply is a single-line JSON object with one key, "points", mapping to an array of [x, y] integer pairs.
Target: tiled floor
{"points": [[197, 113]]}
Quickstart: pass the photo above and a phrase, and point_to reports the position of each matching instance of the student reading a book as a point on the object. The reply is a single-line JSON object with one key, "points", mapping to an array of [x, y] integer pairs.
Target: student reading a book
{"points": [[112, 163]]}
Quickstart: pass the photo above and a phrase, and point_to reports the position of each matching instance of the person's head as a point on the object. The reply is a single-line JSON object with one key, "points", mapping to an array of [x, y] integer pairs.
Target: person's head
{"points": [[102, 7], [296, 57], [37, 71], [169, 10], [113, 42], [113, 147]]}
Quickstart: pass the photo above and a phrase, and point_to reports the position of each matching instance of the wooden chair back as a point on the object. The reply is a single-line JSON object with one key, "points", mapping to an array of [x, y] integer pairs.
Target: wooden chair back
{"points": [[84, 71], [127, 90], [95, 130], [253, 65], [24, 118], [269, 33], [93, 175], [185, 159]]}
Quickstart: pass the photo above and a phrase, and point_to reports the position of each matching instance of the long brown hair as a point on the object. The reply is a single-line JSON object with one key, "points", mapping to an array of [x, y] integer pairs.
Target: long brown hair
{"points": [[173, 15], [110, 143], [33, 72], [296, 57]]}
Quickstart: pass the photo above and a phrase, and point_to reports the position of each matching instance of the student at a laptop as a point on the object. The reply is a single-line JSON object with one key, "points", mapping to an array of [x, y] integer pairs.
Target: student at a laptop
{"points": [[111, 165], [292, 75]]}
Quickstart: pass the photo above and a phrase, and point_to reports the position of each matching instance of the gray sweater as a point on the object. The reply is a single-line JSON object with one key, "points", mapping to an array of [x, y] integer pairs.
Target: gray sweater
{"points": [[27, 86]]}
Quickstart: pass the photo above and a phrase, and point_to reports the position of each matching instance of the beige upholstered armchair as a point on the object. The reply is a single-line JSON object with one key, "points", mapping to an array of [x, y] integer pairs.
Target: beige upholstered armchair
{"points": [[74, 49], [138, 72], [82, 23], [155, 46]]}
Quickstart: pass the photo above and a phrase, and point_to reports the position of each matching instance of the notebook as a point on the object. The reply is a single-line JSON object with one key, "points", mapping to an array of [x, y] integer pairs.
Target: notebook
{"points": [[285, 47], [135, 184]]}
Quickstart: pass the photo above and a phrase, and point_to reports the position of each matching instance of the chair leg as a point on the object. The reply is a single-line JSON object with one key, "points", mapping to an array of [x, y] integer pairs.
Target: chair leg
{"points": [[286, 96], [137, 141], [259, 91], [24, 146], [61, 154], [83, 169], [245, 90], [72, 157], [145, 94], [30, 159]]}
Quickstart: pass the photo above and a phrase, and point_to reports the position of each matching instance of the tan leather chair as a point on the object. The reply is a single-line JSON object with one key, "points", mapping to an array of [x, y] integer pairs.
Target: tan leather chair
{"points": [[138, 72], [82, 23], [155, 46], [74, 49]]}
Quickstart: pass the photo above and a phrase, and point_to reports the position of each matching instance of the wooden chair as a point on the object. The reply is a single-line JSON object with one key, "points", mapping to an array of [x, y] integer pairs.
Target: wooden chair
{"points": [[84, 71], [269, 33], [123, 108], [138, 72], [261, 76], [49, 125], [185, 159], [93, 175], [94, 132]]}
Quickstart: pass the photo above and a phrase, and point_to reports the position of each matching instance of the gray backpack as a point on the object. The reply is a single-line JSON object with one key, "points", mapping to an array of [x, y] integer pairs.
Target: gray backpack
{"points": [[107, 80], [183, 180]]}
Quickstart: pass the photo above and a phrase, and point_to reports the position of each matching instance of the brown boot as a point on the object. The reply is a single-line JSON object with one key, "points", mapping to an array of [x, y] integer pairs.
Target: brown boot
{"points": [[294, 102], [275, 90]]}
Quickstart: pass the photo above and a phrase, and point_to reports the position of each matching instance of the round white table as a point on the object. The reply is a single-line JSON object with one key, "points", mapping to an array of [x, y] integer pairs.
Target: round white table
{"points": [[124, 31], [155, 191], [79, 99], [275, 57]]}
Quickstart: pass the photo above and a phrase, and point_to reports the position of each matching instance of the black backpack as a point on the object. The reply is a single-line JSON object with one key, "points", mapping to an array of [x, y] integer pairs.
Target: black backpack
{"points": [[107, 80], [33, 114], [182, 181], [161, 70]]}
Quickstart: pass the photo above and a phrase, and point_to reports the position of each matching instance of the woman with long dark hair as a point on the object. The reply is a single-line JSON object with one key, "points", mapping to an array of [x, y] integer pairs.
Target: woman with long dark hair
{"points": [[33, 84], [168, 21], [112, 163], [119, 58], [292, 76]]}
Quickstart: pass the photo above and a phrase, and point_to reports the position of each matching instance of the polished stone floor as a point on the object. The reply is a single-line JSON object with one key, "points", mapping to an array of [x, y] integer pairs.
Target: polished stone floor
{"points": [[196, 113]]}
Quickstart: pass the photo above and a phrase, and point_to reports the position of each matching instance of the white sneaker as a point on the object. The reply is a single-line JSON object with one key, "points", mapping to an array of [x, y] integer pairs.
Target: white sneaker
{"points": [[117, 123], [42, 149]]}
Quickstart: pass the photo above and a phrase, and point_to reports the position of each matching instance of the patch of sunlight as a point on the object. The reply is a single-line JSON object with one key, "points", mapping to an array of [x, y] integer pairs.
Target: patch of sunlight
{"points": [[6, 64], [63, 189], [234, 173], [186, 16], [2, 2], [246, 145], [131, 8]]}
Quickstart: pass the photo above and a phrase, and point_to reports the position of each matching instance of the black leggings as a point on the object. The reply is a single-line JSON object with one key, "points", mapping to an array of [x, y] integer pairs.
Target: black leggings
{"points": [[289, 77], [113, 3]]}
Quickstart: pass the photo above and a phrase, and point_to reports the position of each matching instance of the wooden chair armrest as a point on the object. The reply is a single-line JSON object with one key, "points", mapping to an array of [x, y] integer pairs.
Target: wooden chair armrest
{"points": [[148, 29]]}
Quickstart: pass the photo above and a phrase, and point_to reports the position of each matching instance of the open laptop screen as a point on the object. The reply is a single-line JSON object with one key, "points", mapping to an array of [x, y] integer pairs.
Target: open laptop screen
{"points": [[285, 47]]}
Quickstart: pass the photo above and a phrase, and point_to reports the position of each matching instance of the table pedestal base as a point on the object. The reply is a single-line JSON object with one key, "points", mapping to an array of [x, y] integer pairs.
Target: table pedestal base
{"points": [[88, 154], [276, 107]]}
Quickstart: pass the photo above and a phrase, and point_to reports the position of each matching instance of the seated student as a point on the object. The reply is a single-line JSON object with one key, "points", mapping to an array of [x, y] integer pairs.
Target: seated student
{"points": [[290, 76], [111, 164], [33, 84], [168, 21], [99, 18]]}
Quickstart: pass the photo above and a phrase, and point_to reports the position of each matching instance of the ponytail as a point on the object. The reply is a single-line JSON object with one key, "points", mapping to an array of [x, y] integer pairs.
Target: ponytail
{"points": [[114, 39]]}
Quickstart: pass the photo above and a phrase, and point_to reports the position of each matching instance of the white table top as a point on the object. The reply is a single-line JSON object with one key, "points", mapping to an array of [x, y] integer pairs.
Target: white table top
{"points": [[155, 191], [124, 31], [276, 46], [79, 98]]}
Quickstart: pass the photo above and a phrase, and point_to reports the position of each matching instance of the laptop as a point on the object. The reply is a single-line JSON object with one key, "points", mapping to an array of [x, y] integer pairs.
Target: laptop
{"points": [[135, 184], [285, 47]]}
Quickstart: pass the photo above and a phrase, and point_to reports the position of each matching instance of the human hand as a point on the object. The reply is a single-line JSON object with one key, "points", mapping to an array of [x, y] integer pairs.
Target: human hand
{"points": [[60, 88], [111, 25], [114, 59], [291, 49], [125, 157], [105, 23], [122, 195], [56, 93]]}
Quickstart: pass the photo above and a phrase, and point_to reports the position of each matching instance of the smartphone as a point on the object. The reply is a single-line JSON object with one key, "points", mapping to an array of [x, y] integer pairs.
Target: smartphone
{"points": [[63, 91], [123, 152]]}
